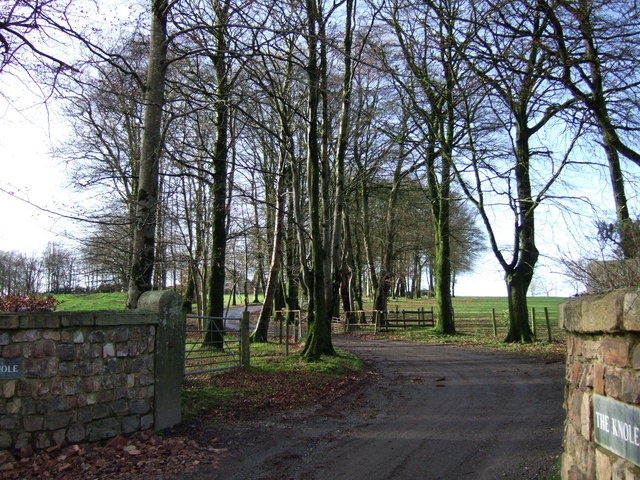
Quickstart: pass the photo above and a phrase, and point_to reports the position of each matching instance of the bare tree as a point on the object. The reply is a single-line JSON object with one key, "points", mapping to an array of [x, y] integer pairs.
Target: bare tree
{"points": [[595, 48], [26, 32], [143, 245], [506, 56]]}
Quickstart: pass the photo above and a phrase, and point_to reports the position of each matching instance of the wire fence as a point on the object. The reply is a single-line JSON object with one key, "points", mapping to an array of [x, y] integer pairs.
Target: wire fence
{"points": [[543, 323]]}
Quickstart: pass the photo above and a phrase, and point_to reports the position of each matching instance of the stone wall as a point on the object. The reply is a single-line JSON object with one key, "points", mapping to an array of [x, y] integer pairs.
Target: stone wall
{"points": [[77, 377], [603, 364]]}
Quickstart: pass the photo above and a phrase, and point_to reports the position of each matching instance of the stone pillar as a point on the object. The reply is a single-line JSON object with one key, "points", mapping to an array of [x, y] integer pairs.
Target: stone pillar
{"points": [[602, 400], [170, 351]]}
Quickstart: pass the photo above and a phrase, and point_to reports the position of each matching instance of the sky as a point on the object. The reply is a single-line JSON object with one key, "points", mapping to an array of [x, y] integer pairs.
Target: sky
{"points": [[29, 172]]}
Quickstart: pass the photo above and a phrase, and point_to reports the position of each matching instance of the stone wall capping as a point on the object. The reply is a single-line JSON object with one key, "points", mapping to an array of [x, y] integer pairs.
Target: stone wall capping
{"points": [[40, 320], [55, 320], [593, 314], [79, 319], [631, 312], [125, 317], [9, 321]]}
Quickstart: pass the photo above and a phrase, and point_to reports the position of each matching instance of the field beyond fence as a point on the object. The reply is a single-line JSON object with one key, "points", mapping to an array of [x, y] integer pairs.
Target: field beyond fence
{"points": [[473, 315], [479, 315]]}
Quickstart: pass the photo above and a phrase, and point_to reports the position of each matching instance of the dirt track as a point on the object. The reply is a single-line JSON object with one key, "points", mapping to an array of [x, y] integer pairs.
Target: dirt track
{"points": [[433, 412]]}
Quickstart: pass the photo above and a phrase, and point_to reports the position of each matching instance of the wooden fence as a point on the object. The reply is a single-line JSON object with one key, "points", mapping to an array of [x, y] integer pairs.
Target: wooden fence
{"points": [[544, 324]]}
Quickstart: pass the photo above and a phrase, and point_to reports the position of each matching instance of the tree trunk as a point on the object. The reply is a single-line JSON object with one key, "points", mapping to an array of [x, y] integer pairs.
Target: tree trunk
{"points": [[356, 268], [318, 340], [326, 197], [143, 245], [262, 328], [291, 254], [215, 333], [386, 268], [342, 142], [440, 213], [519, 329], [259, 284], [520, 273], [366, 237], [347, 269], [627, 243], [417, 275]]}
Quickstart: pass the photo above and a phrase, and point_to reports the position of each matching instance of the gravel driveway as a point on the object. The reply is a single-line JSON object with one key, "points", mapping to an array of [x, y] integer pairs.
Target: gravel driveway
{"points": [[431, 412]]}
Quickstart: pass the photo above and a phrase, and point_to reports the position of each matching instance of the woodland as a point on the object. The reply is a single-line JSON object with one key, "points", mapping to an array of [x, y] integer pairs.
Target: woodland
{"points": [[324, 152]]}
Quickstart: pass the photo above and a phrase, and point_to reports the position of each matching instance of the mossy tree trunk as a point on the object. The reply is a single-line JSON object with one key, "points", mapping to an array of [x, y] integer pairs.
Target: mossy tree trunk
{"points": [[146, 201], [216, 286], [318, 341]]}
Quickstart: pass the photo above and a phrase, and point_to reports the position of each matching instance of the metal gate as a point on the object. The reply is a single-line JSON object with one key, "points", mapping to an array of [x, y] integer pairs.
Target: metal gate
{"points": [[202, 356]]}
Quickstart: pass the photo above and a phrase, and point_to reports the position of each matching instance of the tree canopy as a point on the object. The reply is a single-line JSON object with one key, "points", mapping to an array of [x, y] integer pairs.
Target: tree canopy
{"points": [[326, 152]]}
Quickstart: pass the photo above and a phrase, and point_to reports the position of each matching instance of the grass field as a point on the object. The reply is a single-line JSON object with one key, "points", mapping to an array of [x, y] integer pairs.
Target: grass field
{"points": [[464, 307], [74, 302], [474, 315], [474, 305]]}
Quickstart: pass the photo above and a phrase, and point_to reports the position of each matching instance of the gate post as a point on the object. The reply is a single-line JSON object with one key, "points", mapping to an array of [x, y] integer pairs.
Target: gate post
{"points": [[169, 355], [245, 357]]}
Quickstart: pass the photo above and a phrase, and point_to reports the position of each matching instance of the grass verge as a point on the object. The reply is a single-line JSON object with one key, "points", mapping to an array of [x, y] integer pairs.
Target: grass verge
{"points": [[549, 351], [554, 473], [274, 382]]}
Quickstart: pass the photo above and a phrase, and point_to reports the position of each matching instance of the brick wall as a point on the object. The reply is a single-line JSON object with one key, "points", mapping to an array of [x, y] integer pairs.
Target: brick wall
{"points": [[83, 376], [603, 360]]}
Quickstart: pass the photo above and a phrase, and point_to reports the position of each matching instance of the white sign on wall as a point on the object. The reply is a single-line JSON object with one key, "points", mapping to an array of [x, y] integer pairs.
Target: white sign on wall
{"points": [[617, 427], [10, 368]]}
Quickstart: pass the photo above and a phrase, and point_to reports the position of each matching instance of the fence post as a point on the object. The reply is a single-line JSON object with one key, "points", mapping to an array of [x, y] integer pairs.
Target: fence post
{"points": [[286, 345], [546, 318], [299, 324], [245, 356], [495, 324], [533, 322], [278, 320]]}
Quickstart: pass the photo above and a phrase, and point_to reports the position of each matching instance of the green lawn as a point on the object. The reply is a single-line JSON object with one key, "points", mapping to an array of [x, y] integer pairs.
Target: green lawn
{"points": [[74, 302], [105, 301], [473, 305]]}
